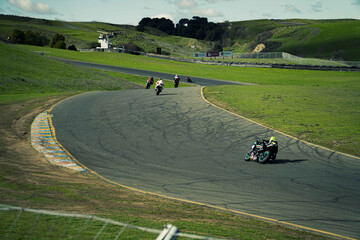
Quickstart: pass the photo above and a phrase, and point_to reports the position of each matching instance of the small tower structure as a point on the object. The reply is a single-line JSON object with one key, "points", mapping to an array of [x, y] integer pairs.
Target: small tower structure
{"points": [[104, 41]]}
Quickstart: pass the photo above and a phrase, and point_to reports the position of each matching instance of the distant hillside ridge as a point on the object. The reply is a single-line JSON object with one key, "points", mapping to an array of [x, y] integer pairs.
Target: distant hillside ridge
{"points": [[335, 39], [328, 39]]}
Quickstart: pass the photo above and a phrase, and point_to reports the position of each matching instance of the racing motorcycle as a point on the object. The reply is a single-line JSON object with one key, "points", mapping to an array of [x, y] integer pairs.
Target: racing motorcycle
{"points": [[149, 83], [262, 151], [176, 82], [158, 89]]}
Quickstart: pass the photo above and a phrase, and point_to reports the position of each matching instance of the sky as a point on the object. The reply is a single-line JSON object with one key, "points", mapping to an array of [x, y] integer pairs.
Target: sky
{"points": [[131, 12]]}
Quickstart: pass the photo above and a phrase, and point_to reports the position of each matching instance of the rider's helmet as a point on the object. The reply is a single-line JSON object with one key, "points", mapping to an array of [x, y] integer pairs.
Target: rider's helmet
{"points": [[176, 76], [272, 139], [151, 78]]}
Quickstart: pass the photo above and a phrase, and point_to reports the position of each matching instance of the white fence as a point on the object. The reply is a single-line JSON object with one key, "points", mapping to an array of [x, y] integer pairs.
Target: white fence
{"points": [[25, 223]]}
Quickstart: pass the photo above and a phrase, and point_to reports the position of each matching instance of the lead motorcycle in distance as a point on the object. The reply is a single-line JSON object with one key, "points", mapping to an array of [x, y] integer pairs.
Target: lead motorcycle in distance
{"points": [[262, 151], [176, 81]]}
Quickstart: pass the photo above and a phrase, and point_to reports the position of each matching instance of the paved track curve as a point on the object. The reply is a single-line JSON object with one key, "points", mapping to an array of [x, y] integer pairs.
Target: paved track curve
{"points": [[178, 145]]}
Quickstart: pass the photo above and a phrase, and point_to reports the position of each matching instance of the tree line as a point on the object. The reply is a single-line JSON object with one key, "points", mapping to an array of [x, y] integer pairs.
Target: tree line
{"points": [[197, 27], [29, 37], [37, 39]]}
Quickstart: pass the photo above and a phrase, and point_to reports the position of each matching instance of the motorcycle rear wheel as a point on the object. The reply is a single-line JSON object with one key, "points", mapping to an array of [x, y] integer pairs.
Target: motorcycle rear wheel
{"points": [[264, 157]]}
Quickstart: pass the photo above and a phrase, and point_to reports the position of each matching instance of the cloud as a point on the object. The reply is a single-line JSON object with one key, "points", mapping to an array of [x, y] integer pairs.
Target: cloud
{"points": [[195, 3], [29, 6], [167, 16], [317, 7], [209, 12], [291, 9], [217, 1], [184, 4], [198, 7]]}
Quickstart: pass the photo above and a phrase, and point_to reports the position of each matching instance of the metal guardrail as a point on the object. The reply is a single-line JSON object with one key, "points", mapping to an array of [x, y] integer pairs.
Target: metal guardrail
{"points": [[25, 223]]}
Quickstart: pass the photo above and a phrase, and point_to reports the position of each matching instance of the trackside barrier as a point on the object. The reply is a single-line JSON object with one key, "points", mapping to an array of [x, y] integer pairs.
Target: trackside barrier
{"points": [[25, 223], [168, 233]]}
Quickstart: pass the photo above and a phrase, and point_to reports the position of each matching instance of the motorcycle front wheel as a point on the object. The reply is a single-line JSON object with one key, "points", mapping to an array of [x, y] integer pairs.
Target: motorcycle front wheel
{"points": [[264, 157], [247, 157]]}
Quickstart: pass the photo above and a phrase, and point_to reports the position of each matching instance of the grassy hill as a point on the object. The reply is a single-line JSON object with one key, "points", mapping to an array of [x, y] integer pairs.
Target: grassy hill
{"points": [[328, 39]]}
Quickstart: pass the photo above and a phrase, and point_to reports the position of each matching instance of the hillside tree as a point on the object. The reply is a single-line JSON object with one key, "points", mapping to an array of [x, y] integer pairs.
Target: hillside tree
{"points": [[58, 41], [18, 36]]}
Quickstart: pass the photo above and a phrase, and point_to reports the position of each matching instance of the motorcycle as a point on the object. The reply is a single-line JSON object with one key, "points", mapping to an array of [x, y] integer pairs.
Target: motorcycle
{"points": [[262, 151], [176, 82], [158, 89], [148, 84], [188, 79]]}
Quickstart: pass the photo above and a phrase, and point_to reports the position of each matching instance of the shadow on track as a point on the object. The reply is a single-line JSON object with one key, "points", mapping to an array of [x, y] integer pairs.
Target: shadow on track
{"points": [[285, 161]]}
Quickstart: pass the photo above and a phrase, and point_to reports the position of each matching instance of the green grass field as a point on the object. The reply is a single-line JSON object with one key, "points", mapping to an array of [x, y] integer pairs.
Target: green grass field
{"points": [[44, 76], [322, 115]]}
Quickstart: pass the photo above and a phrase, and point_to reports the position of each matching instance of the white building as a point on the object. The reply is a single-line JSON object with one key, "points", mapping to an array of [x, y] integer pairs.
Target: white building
{"points": [[104, 42]]}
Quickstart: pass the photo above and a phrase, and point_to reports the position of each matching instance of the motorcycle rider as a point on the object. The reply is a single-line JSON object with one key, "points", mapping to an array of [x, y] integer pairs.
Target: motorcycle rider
{"points": [[160, 83], [176, 80], [151, 81], [272, 141], [177, 77], [265, 143]]}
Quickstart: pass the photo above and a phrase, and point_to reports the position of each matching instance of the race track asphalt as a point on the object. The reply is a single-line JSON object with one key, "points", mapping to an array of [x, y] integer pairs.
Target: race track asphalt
{"points": [[178, 145]]}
